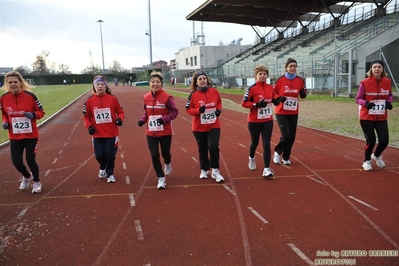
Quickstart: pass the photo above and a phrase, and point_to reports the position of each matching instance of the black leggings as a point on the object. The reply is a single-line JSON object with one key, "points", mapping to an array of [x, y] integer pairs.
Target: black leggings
{"points": [[266, 129], [165, 143], [17, 149], [368, 127], [287, 125], [105, 151], [208, 141]]}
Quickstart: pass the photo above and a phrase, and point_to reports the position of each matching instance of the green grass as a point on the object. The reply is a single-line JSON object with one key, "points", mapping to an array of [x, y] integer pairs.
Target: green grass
{"points": [[54, 98]]}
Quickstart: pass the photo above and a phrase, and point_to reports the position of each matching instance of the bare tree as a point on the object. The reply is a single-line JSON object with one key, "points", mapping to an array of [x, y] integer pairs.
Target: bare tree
{"points": [[24, 70], [63, 69], [40, 64]]}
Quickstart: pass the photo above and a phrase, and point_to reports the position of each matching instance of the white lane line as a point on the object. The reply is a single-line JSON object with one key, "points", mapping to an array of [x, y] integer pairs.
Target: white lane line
{"points": [[320, 148], [122, 155], [55, 160], [139, 231], [195, 160], [131, 198], [394, 171], [258, 215], [242, 145], [124, 166], [183, 149], [127, 178], [229, 190], [362, 202], [47, 172], [300, 254], [22, 213], [318, 181], [60, 151], [65, 144]]}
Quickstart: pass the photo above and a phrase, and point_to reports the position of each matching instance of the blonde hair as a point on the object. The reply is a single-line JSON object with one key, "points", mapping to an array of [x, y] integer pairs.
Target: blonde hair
{"points": [[383, 73], [261, 68], [24, 85]]}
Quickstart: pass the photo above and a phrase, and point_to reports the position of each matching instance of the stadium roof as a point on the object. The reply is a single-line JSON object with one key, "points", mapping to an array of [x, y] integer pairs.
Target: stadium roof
{"points": [[273, 13]]}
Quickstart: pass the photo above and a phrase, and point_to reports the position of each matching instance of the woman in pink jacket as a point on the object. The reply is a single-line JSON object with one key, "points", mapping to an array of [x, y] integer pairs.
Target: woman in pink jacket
{"points": [[374, 98]]}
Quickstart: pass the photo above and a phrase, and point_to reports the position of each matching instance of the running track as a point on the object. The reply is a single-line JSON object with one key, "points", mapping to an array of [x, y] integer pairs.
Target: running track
{"points": [[322, 204]]}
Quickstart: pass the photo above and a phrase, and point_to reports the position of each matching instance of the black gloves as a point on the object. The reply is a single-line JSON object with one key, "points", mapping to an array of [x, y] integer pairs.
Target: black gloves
{"points": [[140, 123], [118, 122], [262, 103], [369, 105], [218, 112], [302, 94], [202, 109], [160, 121], [30, 115], [6, 125], [91, 130], [388, 105], [278, 100]]}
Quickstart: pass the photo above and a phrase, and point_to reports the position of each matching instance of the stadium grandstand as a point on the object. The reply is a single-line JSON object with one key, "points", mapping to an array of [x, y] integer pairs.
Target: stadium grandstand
{"points": [[333, 42]]}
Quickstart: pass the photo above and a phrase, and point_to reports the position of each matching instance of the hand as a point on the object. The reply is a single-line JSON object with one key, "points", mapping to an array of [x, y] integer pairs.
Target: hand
{"points": [[262, 103], [30, 115], [91, 130], [282, 99], [160, 121], [369, 105], [202, 109], [388, 105], [119, 122], [140, 123], [218, 112], [6, 125]]}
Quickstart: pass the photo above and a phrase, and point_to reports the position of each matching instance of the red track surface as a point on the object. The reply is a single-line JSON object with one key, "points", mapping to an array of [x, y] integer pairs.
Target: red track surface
{"points": [[323, 202]]}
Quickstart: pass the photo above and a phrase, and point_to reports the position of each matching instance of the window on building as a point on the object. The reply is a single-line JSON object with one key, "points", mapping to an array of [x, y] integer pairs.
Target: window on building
{"points": [[191, 61], [195, 60], [186, 61]]}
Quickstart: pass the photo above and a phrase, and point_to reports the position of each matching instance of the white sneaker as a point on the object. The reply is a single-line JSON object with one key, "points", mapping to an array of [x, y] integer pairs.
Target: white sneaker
{"points": [[36, 187], [378, 160], [161, 183], [276, 158], [286, 162], [204, 174], [252, 164], [167, 169], [25, 182], [111, 179], [102, 174], [367, 166], [217, 176], [268, 173]]}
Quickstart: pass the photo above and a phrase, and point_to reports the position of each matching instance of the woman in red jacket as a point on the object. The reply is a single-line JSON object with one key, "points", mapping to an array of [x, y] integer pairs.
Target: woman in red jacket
{"points": [[20, 109], [259, 98], [374, 98], [159, 111], [103, 115], [205, 106], [289, 86]]}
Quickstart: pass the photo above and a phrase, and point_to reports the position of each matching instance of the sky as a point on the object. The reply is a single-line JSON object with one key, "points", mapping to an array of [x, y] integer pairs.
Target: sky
{"points": [[69, 31]]}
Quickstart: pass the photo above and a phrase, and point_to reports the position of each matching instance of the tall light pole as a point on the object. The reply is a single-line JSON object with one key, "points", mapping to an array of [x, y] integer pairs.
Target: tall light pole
{"points": [[149, 32], [102, 49]]}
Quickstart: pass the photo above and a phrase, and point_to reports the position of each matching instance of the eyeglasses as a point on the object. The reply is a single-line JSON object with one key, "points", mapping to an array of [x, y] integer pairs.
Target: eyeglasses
{"points": [[292, 66]]}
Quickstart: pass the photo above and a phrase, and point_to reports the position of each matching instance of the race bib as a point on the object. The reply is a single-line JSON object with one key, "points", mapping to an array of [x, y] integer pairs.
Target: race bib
{"points": [[153, 125], [209, 116], [379, 108], [102, 115], [291, 104], [265, 112], [21, 125]]}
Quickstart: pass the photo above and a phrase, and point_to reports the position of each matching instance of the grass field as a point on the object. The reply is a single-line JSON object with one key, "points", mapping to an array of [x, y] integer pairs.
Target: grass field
{"points": [[332, 114]]}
